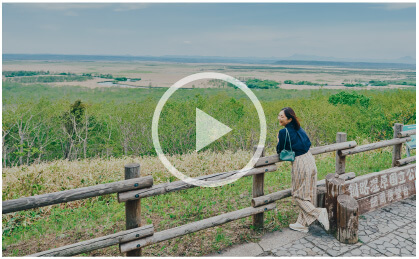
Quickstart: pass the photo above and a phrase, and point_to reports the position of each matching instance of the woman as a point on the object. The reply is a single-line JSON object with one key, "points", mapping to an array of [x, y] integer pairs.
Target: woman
{"points": [[304, 171]]}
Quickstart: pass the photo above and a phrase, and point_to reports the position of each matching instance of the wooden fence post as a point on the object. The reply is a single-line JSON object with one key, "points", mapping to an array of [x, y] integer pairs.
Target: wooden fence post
{"points": [[320, 197], [347, 219], [397, 149], [133, 208], [334, 187], [258, 184], [340, 160]]}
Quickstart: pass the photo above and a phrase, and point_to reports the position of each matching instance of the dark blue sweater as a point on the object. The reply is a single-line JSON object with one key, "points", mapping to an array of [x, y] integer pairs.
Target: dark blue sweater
{"points": [[299, 140]]}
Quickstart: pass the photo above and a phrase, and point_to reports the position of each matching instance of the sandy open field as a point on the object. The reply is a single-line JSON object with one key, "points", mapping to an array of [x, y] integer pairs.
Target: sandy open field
{"points": [[159, 74]]}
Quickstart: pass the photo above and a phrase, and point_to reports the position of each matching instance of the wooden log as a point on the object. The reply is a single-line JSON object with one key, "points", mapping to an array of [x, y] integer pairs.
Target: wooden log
{"points": [[98, 243], [262, 170], [347, 219], [314, 151], [133, 208], [262, 200], [397, 149], [334, 187], [321, 194], [75, 194], [405, 161], [194, 227], [258, 186], [406, 133], [333, 147], [268, 160], [373, 146], [340, 160], [181, 185]]}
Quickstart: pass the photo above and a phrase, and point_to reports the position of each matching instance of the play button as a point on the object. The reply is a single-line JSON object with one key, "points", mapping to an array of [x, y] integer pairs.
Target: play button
{"points": [[208, 129]]}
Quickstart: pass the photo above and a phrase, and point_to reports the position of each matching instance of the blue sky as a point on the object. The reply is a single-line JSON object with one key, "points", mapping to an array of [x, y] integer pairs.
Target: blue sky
{"points": [[351, 30]]}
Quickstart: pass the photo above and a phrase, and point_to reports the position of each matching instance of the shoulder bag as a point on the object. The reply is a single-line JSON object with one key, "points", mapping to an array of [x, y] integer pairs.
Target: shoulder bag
{"points": [[287, 155]]}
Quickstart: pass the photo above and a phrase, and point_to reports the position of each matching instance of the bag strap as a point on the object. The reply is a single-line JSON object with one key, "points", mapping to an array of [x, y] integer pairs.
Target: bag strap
{"points": [[287, 134]]}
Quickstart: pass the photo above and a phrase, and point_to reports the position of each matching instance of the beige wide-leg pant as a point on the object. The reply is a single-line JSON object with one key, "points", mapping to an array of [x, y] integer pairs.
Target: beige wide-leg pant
{"points": [[304, 187]]}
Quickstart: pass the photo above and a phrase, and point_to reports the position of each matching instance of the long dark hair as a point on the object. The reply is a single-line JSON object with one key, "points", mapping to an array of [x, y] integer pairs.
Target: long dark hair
{"points": [[289, 112]]}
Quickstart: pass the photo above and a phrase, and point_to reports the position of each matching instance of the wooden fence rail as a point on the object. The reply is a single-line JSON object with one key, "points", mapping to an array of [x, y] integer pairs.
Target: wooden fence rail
{"points": [[181, 185], [405, 161], [97, 243], [368, 147], [194, 227], [315, 151], [131, 191], [406, 133], [75, 194]]}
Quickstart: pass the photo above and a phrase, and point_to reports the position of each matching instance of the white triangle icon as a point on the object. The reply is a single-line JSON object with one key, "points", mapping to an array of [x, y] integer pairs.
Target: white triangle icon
{"points": [[208, 129]]}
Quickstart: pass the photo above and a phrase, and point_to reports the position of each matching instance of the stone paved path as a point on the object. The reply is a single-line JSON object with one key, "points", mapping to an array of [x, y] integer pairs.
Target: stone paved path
{"points": [[389, 231]]}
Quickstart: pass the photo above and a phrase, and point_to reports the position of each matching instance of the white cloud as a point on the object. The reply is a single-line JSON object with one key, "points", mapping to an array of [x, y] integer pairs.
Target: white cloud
{"points": [[82, 6], [396, 6], [130, 7], [66, 7]]}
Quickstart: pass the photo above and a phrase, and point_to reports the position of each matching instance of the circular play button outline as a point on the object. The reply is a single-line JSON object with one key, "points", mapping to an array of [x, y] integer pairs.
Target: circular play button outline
{"points": [[155, 124]]}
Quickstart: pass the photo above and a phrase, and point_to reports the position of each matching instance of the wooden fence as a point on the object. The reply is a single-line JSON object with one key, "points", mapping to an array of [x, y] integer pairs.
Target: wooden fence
{"points": [[134, 188]]}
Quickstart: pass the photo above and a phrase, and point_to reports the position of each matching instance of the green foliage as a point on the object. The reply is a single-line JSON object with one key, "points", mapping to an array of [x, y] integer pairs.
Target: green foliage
{"points": [[123, 95], [349, 99], [290, 82], [306, 83], [24, 73], [63, 77], [378, 83], [117, 122], [400, 82], [120, 78], [107, 76], [259, 84]]}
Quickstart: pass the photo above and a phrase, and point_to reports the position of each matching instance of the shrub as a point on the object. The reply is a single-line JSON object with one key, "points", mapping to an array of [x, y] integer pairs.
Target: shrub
{"points": [[349, 99], [378, 83], [24, 73], [265, 84]]}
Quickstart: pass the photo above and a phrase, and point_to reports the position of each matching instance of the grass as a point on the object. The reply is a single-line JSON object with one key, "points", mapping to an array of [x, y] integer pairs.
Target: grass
{"points": [[36, 91], [35, 230]]}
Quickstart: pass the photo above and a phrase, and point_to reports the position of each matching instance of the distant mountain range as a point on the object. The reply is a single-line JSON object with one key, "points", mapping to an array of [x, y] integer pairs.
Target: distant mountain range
{"points": [[369, 65], [407, 62], [406, 59]]}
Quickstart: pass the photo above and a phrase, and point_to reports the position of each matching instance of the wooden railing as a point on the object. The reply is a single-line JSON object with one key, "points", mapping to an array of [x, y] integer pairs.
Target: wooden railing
{"points": [[135, 188]]}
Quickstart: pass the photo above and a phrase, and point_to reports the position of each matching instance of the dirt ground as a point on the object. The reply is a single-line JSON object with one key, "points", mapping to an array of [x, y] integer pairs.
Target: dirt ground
{"points": [[159, 74]]}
